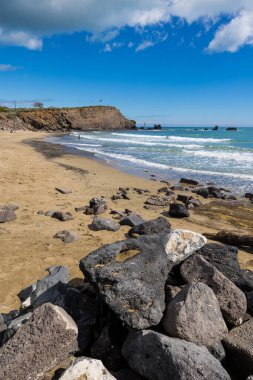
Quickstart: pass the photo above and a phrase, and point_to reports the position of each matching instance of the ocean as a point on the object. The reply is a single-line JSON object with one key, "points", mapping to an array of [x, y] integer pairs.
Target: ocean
{"points": [[224, 158]]}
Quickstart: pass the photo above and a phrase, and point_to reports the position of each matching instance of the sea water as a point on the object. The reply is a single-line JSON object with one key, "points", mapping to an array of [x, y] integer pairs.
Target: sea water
{"points": [[224, 158]]}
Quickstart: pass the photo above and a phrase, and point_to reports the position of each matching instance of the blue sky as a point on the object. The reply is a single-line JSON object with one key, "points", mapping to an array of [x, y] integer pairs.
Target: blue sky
{"points": [[158, 61]]}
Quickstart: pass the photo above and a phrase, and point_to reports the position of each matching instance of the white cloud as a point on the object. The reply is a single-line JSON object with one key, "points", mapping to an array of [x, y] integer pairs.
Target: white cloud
{"points": [[108, 48], [26, 22], [144, 45], [7, 67], [234, 35]]}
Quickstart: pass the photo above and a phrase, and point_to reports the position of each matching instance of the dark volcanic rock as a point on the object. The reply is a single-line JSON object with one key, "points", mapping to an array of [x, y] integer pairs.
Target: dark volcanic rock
{"points": [[248, 278], [184, 198], [155, 200], [249, 196], [43, 342], [193, 203], [7, 213], [131, 220], [178, 210], [158, 357], [151, 227], [233, 238], [131, 277], [189, 181], [62, 216], [29, 295], [232, 300], [67, 236], [224, 258], [99, 224], [15, 325], [202, 191], [195, 315], [98, 205], [239, 348]]}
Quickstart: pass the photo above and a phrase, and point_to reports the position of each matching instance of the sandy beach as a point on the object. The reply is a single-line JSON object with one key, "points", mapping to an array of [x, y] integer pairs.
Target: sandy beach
{"points": [[29, 178]]}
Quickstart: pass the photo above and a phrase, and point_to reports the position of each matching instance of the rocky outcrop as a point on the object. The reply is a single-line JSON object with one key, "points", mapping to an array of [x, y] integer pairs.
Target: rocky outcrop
{"points": [[65, 119]]}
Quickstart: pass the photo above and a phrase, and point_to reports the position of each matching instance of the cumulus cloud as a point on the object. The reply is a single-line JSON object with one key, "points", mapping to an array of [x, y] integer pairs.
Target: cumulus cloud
{"points": [[26, 22]]}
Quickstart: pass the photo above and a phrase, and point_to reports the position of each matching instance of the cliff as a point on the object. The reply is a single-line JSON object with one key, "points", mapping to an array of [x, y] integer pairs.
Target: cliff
{"points": [[65, 119]]}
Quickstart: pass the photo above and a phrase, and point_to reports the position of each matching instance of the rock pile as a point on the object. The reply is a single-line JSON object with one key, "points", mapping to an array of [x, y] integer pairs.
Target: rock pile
{"points": [[162, 305]]}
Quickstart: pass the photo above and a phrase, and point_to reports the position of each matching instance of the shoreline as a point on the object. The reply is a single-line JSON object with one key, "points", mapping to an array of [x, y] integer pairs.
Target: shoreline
{"points": [[29, 178]]}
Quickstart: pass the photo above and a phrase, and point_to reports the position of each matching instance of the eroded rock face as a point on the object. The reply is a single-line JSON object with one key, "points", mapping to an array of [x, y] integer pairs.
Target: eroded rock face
{"points": [[239, 348], [158, 357], [232, 300], [88, 369], [44, 341], [195, 315], [152, 227], [131, 276], [180, 244]]}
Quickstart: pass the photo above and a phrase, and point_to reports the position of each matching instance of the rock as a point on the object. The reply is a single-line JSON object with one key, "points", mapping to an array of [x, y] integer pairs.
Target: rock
{"points": [[231, 129], [98, 205], [239, 348], [131, 220], [127, 374], [131, 277], [3, 328], [249, 196], [86, 369], [180, 244], [67, 236], [233, 238], [184, 198], [50, 212], [178, 187], [62, 216], [63, 190], [178, 210], [189, 182], [155, 200], [7, 213], [44, 341], [171, 292], [195, 315], [29, 295], [158, 357], [249, 297], [224, 258], [193, 203], [231, 299], [152, 227], [99, 224], [202, 191], [15, 325], [248, 279], [217, 350], [216, 128]]}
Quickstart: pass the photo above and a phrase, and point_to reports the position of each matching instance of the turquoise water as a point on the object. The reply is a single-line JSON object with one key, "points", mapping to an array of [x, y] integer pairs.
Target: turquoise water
{"points": [[221, 157]]}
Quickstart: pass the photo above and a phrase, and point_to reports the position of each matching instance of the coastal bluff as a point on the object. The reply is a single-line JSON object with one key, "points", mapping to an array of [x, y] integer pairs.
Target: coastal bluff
{"points": [[65, 119]]}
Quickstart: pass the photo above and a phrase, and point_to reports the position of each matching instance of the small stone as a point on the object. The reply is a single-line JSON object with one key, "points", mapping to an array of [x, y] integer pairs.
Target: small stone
{"points": [[62, 216], [67, 236], [86, 369], [99, 224], [178, 210], [131, 220], [7, 213]]}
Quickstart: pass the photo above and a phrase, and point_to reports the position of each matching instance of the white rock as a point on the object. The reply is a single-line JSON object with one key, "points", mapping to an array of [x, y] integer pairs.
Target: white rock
{"points": [[88, 369], [179, 244]]}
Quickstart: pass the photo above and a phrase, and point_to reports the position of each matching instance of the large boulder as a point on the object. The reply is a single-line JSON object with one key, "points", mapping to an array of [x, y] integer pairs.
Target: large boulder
{"points": [[194, 315], [29, 295], [131, 276], [152, 227], [224, 258], [99, 224], [158, 357], [232, 300], [43, 342], [86, 369], [180, 244], [239, 348]]}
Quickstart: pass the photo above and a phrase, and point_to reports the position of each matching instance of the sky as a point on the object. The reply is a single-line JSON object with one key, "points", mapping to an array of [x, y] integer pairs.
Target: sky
{"points": [[174, 62]]}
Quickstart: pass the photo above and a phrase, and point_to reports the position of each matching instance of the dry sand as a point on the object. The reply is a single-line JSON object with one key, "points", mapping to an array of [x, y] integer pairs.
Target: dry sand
{"points": [[28, 178]]}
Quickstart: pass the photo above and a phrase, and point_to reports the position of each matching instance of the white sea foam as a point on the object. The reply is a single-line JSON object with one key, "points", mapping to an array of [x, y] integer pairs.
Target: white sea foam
{"points": [[145, 163], [221, 155]]}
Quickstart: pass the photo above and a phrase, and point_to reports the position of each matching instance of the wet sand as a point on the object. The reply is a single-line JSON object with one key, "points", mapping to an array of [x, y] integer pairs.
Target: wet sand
{"points": [[30, 170]]}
